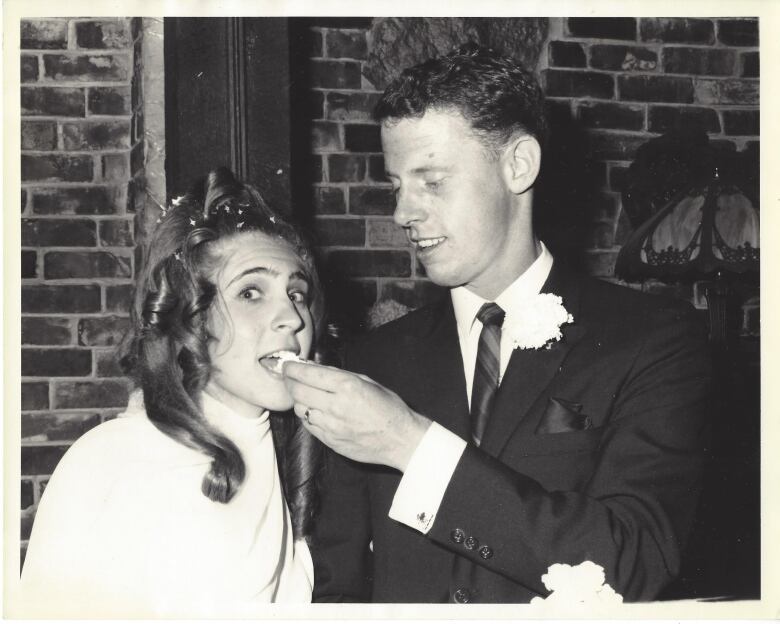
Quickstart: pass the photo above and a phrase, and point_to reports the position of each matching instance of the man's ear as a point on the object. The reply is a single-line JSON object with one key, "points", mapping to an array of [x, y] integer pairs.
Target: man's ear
{"points": [[522, 159]]}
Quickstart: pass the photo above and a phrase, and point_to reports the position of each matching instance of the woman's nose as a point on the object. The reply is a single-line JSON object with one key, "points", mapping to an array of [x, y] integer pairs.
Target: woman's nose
{"points": [[287, 317]]}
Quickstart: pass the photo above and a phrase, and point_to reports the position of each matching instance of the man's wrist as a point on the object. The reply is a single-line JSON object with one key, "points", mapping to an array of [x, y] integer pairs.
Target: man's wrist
{"points": [[414, 430]]}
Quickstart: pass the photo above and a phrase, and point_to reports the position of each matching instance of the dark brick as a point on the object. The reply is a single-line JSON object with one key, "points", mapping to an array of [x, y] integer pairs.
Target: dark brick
{"points": [[335, 74], [412, 293], [376, 169], [340, 44], [602, 206], [314, 105], [29, 264], [623, 229], [27, 497], [103, 331], [85, 264], [137, 158], [738, 32], [750, 65], [724, 144], [46, 331], [326, 136], [60, 427], [385, 233], [335, 22], [109, 101], [656, 89], [559, 112], [56, 168], [362, 138], [116, 167], [35, 395], [88, 200], [346, 168], [39, 135], [676, 30], [370, 263], [614, 146], [44, 35], [24, 200], [329, 200], [87, 68], [579, 84], [117, 233], [741, 122], [107, 363], [340, 232], [713, 62], [351, 106], [602, 27], [711, 91], [622, 58], [25, 525], [90, 394], [601, 263], [102, 35], [311, 40], [56, 362], [86, 135], [617, 177], [119, 298], [608, 115], [674, 118], [566, 54], [41, 460], [28, 67], [371, 200], [55, 101]]}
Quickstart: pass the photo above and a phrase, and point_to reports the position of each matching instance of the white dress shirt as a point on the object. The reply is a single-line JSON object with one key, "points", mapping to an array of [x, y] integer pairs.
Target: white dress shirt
{"points": [[430, 468], [123, 529]]}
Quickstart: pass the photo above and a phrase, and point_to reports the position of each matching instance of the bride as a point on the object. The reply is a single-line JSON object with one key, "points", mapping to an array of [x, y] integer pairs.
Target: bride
{"points": [[196, 501]]}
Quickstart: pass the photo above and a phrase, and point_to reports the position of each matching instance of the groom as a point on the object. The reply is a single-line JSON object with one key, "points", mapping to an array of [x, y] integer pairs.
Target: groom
{"points": [[472, 456]]}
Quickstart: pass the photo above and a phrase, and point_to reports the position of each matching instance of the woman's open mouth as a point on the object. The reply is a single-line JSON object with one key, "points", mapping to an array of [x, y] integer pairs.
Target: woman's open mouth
{"points": [[273, 362]]}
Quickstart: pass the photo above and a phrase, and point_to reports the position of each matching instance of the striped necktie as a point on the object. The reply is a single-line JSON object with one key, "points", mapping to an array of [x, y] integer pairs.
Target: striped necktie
{"points": [[487, 369]]}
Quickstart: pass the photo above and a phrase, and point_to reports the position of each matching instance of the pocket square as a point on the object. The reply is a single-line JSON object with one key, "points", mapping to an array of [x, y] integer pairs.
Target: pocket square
{"points": [[562, 416]]}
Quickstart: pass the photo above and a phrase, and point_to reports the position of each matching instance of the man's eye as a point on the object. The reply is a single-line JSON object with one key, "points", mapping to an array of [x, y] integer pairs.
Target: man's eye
{"points": [[433, 185]]}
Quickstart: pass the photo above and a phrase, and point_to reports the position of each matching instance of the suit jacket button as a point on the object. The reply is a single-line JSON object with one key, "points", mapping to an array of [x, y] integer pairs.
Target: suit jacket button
{"points": [[462, 595], [471, 543], [457, 536], [486, 552]]}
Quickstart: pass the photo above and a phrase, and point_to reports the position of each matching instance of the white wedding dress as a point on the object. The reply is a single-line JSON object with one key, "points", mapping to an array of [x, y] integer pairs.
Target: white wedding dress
{"points": [[123, 529]]}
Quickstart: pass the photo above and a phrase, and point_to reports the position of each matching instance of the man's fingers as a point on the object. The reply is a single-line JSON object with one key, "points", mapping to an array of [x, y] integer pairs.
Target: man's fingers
{"points": [[322, 377], [309, 396]]}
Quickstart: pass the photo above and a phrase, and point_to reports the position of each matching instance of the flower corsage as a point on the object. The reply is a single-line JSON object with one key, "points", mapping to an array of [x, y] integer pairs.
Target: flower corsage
{"points": [[537, 324]]}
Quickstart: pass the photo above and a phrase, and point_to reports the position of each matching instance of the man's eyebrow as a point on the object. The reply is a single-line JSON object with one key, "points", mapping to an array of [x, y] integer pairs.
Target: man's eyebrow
{"points": [[420, 170]]}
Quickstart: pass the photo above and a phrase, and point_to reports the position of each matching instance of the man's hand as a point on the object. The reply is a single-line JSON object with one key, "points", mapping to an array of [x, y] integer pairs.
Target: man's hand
{"points": [[354, 415]]}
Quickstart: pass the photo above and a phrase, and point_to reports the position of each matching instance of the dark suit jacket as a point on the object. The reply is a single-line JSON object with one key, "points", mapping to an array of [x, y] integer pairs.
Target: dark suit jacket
{"points": [[593, 451]]}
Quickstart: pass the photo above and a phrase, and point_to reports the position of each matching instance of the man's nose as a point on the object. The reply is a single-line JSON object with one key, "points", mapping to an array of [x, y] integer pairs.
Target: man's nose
{"points": [[286, 316], [407, 210]]}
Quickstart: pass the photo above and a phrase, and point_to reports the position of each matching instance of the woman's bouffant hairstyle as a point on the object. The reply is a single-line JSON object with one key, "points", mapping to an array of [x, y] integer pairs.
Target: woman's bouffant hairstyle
{"points": [[166, 349], [493, 92]]}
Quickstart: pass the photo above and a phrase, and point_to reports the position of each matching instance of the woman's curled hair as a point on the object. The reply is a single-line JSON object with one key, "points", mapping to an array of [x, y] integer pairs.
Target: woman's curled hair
{"points": [[166, 350]]}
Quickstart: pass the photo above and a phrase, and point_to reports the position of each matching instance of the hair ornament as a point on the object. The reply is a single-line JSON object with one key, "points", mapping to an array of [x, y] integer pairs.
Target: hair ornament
{"points": [[240, 224]]}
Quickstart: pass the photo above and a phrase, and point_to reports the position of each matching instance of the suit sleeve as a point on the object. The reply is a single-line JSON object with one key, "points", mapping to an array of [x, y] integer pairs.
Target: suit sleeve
{"points": [[636, 509]]}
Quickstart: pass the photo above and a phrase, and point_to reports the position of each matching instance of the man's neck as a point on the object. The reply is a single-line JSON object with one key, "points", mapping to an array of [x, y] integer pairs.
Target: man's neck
{"points": [[490, 291]]}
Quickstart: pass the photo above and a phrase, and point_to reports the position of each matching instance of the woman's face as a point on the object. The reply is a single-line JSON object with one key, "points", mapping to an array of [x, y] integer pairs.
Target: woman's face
{"points": [[262, 306]]}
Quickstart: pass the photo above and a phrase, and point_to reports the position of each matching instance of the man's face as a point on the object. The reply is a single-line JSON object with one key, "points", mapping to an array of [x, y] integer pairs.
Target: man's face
{"points": [[453, 200]]}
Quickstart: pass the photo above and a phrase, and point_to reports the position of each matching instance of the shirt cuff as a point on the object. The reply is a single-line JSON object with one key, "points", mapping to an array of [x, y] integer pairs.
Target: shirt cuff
{"points": [[426, 478]]}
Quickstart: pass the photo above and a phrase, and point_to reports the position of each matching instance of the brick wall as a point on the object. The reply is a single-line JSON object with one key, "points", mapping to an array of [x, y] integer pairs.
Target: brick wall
{"points": [[622, 81], [81, 163]]}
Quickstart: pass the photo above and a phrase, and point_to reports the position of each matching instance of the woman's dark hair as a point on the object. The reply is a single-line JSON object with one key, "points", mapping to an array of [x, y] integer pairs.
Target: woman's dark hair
{"points": [[493, 92], [166, 349]]}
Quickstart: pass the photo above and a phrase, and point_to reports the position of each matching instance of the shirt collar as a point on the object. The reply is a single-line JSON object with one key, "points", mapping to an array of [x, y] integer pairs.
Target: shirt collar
{"points": [[466, 304]]}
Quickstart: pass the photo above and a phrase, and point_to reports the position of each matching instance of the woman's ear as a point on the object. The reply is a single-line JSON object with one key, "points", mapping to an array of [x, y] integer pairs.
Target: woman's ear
{"points": [[522, 159]]}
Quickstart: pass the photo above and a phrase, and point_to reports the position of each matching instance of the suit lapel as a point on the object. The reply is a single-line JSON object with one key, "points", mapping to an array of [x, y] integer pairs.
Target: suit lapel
{"points": [[442, 383], [530, 371]]}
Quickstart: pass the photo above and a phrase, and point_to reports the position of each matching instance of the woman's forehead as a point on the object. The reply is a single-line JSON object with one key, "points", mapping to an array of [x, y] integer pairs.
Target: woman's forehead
{"points": [[249, 249]]}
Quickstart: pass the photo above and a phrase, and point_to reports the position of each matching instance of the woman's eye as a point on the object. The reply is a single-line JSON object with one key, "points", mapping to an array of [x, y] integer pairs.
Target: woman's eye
{"points": [[297, 296], [250, 293]]}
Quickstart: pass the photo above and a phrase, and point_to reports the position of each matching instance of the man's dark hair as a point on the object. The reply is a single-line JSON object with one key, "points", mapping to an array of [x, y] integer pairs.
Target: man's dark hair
{"points": [[493, 92]]}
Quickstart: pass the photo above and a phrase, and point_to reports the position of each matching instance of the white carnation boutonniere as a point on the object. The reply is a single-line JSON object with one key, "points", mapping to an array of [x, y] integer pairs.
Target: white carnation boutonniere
{"points": [[537, 324], [579, 585]]}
